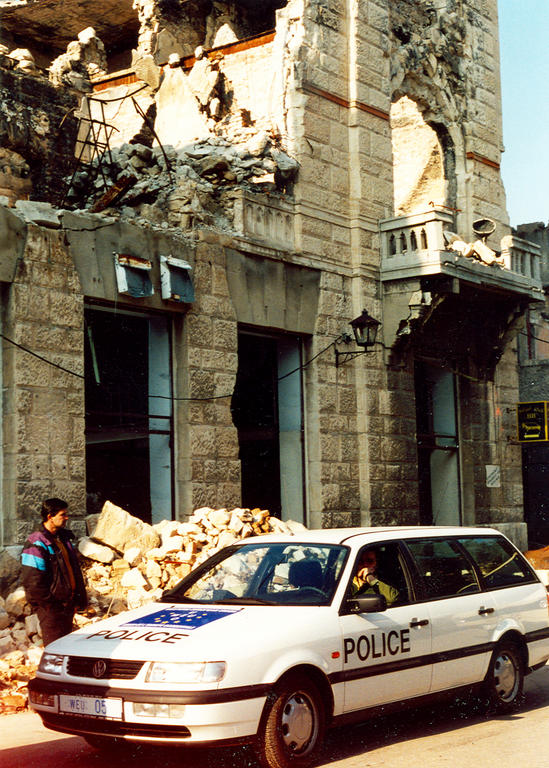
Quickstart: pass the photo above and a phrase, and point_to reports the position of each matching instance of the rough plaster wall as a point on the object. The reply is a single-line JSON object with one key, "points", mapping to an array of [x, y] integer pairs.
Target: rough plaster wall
{"points": [[43, 407], [418, 163], [118, 110], [250, 88]]}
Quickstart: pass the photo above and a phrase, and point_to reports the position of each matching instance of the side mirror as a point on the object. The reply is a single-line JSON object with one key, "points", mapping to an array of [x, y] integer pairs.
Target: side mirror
{"points": [[365, 604]]}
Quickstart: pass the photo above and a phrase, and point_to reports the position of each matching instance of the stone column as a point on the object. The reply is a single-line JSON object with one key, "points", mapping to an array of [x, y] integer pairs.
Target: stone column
{"points": [[43, 405]]}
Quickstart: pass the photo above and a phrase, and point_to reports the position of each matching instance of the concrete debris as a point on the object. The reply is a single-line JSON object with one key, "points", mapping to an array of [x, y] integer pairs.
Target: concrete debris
{"points": [[36, 212], [154, 558], [85, 59], [197, 190], [478, 250], [25, 60]]}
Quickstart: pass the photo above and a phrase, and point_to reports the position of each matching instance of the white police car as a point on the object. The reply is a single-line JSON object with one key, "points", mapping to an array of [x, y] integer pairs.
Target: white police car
{"points": [[269, 641]]}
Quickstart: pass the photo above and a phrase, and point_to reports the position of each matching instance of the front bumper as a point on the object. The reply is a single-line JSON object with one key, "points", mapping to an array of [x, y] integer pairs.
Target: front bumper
{"points": [[229, 715]]}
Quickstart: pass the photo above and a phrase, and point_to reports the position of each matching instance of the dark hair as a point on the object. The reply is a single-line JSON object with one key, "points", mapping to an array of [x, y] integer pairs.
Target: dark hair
{"points": [[52, 507]]}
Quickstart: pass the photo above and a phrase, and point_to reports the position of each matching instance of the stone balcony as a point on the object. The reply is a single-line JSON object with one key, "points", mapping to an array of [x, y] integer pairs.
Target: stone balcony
{"points": [[414, 247]]}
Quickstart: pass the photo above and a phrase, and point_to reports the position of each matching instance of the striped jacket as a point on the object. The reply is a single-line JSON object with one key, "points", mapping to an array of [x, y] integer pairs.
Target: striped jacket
{"points": [[44, 572]]}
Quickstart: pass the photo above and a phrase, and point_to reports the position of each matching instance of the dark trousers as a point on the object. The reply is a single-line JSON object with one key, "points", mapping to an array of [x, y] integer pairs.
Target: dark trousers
{"points": [[54, 622]]}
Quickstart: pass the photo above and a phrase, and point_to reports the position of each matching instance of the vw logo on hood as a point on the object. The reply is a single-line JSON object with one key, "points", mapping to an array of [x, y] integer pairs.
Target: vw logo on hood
{"points": [[99, 668]]}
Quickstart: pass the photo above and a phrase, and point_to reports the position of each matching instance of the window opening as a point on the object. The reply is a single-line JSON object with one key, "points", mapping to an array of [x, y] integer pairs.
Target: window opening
{"points": [[128, 413]]}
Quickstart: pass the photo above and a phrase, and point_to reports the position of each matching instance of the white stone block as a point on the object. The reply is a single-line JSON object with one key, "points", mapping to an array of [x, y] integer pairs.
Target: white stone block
{"points": [[94, 551], [5, 619], [133, 579], [16, 602], [133, 555], [121, 531]]}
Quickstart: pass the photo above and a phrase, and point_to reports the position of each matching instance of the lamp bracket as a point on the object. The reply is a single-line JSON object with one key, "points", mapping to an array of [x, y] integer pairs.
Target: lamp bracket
{"points": [[344, 357]]}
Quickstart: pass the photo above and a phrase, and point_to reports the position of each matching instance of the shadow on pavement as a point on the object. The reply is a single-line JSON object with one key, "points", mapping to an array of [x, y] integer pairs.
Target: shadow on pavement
{"points": [[413, 723]]}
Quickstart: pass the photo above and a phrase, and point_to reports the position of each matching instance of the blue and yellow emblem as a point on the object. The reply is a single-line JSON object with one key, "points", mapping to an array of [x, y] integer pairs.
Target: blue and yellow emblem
{"points": [[182, 618]]}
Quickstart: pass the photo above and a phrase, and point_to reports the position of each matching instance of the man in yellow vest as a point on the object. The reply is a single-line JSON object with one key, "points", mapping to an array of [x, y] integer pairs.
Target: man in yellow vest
{"points": [[365, 582]]}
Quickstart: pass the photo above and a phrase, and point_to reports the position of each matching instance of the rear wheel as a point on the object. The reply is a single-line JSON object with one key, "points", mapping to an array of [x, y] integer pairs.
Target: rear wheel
{"points": [[292, 731], [505, 679]]}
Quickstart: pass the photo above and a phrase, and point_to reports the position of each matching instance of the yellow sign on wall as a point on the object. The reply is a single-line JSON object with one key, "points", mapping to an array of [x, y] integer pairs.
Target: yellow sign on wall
{"points": [[532, 422]]}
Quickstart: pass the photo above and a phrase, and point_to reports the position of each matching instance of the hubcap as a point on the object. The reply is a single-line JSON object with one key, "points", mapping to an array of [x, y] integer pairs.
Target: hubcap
{"points": [[506, 677], [298, 722]]}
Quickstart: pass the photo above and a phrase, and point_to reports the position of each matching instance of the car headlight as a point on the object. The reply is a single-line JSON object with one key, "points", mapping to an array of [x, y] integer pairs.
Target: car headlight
{"points": [[186, 672], [51, 664]]}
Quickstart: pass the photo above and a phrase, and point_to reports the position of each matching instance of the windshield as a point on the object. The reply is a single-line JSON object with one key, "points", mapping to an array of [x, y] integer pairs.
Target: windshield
{"points": [[270, 573]]}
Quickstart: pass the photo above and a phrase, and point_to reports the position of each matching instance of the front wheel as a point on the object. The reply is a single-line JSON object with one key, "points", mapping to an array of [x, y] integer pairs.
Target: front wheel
{"points": [[292, 731], [505, 679]]}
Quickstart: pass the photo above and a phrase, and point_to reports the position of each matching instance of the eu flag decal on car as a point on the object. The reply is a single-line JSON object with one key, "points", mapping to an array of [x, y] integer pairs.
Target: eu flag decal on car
{"points": [[186, 618]]}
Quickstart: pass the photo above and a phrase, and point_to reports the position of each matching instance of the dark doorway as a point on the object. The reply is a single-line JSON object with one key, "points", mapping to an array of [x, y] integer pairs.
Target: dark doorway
{"points": [[255, 415], [437, 444]]}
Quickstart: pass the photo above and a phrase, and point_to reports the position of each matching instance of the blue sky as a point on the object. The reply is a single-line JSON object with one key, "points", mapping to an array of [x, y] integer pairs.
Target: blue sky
{"points": [[524, 46]]}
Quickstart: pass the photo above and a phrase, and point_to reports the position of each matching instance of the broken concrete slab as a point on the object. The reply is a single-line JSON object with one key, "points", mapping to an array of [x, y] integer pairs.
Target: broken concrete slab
{"points": [[118, 529], [43, 214]]}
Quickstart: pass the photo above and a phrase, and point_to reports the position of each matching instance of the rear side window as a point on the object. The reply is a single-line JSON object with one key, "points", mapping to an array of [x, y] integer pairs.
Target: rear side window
{"points": [[445, 569], [498, 561]]}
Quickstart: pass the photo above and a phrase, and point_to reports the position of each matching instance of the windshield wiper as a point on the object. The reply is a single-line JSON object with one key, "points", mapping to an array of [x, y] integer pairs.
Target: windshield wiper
{"points": [[168, 598]]}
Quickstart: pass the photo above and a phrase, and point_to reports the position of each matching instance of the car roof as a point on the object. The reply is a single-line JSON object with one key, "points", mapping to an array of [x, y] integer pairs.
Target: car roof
{"points": [[364, 535]]}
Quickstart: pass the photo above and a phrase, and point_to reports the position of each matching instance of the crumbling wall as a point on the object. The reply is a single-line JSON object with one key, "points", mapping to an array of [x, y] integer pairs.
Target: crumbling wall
{"points": [[174, 27], [446, 61], [36, 123]]}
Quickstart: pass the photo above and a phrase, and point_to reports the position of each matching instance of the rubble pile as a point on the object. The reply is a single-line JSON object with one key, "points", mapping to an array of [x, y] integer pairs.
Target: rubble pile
{"points": [[126, 563], [187, 186]]}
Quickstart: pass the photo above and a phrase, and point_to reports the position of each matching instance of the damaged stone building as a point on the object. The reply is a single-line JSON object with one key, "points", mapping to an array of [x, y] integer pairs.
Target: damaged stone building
{"points": [[199, 197], [533, 388]]}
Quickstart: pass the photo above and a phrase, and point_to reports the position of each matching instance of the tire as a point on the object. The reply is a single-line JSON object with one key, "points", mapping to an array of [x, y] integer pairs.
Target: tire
{"points": [[292, 729], [505, 678]]}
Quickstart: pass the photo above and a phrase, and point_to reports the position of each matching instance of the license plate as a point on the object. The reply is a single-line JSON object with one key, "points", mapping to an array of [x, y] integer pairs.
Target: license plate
{"points": [[91, 706]]}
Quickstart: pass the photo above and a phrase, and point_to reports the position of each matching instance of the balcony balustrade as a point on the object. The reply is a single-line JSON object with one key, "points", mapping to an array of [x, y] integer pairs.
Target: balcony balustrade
{"points": [[414, 246], [264, 219]]}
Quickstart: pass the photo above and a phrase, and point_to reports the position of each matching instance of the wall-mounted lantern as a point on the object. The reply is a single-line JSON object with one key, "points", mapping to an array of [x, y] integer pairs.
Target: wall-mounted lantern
{"points": [[365, 328]]}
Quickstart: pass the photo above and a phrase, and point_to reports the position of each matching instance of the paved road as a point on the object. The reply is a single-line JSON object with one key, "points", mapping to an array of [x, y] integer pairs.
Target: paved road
{"points": [[442, 737]]}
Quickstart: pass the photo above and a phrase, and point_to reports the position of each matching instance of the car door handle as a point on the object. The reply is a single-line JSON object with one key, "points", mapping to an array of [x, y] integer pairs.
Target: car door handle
{"points": [[419, 622], [483, 611]]}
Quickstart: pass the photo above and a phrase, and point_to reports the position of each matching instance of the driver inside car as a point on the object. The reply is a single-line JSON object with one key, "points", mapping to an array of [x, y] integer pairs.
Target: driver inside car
{"points": [[366, 582]]}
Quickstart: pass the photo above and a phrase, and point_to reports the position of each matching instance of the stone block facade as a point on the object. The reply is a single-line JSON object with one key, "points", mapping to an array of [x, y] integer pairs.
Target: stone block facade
{"points": [[291, 170]]}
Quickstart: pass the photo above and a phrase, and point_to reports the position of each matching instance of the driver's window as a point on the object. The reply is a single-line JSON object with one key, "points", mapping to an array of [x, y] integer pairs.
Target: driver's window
{"points": [[378, 570]]}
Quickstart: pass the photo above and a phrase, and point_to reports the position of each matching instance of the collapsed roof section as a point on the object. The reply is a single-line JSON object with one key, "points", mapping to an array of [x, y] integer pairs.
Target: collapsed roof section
{"points": [[157, 27], [47, 28]]}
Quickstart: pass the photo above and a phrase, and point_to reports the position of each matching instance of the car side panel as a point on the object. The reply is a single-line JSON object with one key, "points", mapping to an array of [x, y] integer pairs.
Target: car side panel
{"points": [[387, 657], [463, 630]]}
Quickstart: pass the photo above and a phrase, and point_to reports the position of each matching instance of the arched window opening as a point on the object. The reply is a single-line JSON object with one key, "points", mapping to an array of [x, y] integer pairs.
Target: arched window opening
{"points": [[423, 161]]}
